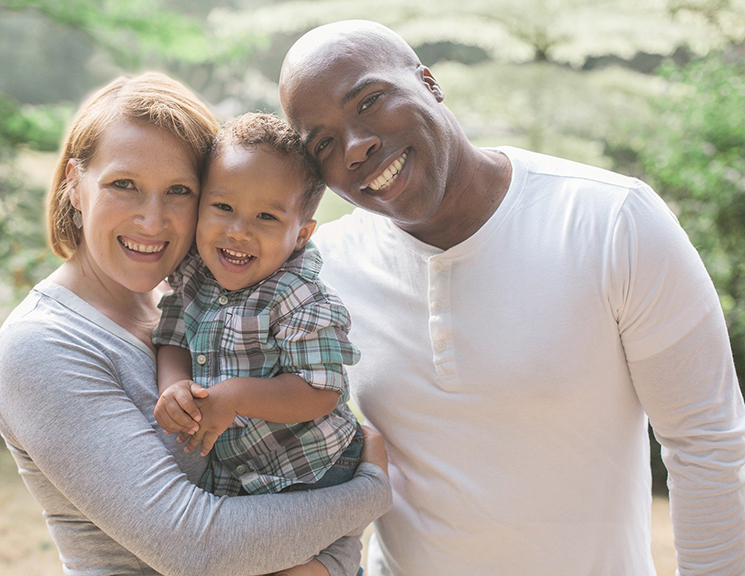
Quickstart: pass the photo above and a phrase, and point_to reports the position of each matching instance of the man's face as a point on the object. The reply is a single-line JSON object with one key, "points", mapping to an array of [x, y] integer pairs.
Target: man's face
{"points": [[376, 130]]}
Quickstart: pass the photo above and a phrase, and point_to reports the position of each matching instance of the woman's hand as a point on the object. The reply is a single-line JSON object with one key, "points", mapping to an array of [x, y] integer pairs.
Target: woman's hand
{"points": [[312, 568], [373, 450]]}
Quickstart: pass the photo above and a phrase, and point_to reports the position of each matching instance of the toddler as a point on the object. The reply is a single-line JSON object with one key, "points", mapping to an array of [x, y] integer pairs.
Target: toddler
{"points": [[251, 344]]}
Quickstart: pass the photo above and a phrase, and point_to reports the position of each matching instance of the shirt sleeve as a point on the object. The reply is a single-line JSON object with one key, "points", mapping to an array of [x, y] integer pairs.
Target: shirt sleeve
{"points": [[103, 456], [311, 332], [171, 330], [680, 362]]}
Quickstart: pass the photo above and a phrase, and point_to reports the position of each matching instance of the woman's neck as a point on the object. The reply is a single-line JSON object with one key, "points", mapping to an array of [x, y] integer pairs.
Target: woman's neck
{"points": [[136, 312]]}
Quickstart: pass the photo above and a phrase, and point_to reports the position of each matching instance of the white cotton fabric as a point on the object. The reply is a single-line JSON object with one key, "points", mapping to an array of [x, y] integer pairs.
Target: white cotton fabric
{"points": [[510, 376]]}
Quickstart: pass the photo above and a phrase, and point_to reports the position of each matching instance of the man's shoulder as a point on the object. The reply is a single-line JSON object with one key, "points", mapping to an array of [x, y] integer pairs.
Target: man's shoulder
{"points": [[349, 229], [538, 165]]}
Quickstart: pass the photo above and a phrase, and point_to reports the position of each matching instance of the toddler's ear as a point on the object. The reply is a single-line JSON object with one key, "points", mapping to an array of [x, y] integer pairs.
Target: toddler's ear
{"points": [[304, 234]]}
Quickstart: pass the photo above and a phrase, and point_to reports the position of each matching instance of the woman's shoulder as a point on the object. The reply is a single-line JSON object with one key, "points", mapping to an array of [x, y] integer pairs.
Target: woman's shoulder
{"points": [[41, 326]]}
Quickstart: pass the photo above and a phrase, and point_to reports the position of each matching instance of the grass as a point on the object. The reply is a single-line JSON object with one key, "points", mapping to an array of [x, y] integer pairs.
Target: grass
{"points": [[27, 550]]}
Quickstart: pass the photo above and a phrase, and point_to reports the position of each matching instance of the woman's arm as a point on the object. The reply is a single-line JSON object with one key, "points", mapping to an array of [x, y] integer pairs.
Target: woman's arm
{"points": [[64, 404]]}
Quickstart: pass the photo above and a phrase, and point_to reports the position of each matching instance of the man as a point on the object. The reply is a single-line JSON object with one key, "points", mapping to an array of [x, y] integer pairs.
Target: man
{"points": [[519, 317]]}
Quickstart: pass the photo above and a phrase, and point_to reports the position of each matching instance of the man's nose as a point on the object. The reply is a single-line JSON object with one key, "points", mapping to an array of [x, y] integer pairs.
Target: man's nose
{"points": [[359, 146]]}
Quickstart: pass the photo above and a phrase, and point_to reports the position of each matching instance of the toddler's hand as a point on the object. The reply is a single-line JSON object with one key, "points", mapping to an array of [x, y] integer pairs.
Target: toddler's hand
{"points": [[176, 410], [217, 413]]}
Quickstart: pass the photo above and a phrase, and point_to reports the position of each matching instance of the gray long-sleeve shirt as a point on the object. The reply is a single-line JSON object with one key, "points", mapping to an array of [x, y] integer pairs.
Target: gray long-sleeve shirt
{"points": [[76, 399]]}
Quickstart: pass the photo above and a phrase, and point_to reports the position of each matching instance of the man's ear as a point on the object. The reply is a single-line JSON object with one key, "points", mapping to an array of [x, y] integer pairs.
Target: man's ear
{"points": [[426, 76], [72, 177], [306, 230]]}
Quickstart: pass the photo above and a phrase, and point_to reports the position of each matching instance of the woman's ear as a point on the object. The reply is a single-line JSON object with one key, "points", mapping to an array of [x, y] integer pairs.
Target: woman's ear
{"points": [[72, 177], [304, 234]]}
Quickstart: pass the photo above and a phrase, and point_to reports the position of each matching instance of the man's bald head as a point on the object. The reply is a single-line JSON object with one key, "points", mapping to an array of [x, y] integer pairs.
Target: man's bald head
{"points": [[361, 39]]}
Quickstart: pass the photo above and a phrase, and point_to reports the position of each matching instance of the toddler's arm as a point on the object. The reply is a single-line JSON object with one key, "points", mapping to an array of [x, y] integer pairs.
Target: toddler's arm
{"points": [[176, 411], [285, 398]]}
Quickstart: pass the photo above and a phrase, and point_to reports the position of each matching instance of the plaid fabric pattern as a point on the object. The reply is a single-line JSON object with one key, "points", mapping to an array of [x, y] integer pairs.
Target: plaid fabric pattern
{"points": [[289, 322]]}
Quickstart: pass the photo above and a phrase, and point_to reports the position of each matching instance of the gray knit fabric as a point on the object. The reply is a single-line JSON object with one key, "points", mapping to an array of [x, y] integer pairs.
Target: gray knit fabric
{"points": [[76, 400]]}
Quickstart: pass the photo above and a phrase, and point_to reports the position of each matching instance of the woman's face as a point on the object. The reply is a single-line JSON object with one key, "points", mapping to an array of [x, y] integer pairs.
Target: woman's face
{"points": [[138, 197]]}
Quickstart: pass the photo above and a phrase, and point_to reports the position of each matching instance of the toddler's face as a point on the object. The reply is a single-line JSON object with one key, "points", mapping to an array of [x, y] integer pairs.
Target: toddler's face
{"points": [[249, 215]]}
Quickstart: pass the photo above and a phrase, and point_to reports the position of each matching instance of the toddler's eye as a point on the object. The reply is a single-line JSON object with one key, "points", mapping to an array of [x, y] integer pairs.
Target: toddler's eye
{"points": [[224, 207], [180, 190], [266, 216]]}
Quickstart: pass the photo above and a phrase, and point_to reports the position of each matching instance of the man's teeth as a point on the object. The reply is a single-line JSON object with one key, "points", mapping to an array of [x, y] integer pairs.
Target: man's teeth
{"points": [[236, 257], [144, 248], [389, 175]]}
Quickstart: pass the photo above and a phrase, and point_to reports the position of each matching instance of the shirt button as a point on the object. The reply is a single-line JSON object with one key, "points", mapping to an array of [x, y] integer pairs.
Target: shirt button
{"points": [[240, 469], [201, 359], [437, 266], [436, 306], [440, 346], [222, 299]]}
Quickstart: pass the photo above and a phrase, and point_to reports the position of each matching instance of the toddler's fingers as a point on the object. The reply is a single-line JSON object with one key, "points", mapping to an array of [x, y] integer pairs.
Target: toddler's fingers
{"points": [[208, 442], [186, 402], [194, 441], [198, 391], [162, 416]]}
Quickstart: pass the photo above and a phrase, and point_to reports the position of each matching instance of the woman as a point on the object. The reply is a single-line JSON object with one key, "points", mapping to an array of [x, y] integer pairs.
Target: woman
{"points": [[77, 369]]}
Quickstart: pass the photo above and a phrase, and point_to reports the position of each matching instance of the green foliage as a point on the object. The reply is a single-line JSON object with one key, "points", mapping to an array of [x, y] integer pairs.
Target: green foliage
{"points": [[39, 127], [129, 30], [695, 156]]}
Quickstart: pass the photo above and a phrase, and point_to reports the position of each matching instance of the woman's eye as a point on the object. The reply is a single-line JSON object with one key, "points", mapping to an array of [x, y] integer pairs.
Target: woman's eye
{"points": [[266, 216], [180, 190], [223, 207], [367, 102], [123, 184]]}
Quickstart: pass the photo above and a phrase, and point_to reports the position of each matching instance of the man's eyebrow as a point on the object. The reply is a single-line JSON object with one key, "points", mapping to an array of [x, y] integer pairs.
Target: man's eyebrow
{"points": [[356, 89]]}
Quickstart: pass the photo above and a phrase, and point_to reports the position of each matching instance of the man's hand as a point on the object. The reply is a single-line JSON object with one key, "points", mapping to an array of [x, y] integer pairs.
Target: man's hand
{"points": [[217, 413], [312, 568], [176, 411]]}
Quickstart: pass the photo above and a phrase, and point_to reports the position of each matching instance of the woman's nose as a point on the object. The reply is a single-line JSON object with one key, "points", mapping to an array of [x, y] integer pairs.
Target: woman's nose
{"points": [[153, 215]]}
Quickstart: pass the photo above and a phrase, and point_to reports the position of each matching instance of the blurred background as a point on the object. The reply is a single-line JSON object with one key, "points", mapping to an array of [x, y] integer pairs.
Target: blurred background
{"points": [[650, 88]]}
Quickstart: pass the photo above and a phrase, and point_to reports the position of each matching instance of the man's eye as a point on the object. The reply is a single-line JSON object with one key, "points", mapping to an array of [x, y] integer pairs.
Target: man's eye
{"points": [[180, 190], [224, 207], [123, 184], [367, 102], [266, 216]]}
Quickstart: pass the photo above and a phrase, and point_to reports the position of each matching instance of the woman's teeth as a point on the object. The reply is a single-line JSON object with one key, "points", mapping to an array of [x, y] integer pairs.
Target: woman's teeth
{"points": [[234, 257], [143, 248], [389, 175]]}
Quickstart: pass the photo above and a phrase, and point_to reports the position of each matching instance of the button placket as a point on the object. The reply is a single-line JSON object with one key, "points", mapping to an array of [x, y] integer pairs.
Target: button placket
{"points": [[440, 331]]}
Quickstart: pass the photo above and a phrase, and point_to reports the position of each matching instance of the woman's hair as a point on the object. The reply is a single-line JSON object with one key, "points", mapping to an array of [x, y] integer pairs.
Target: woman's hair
{"points": [[255, 128], [150, 98]]}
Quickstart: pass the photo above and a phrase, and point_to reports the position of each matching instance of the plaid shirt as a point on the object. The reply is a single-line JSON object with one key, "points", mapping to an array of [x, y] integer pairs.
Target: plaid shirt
{"points": [[289, 322]]}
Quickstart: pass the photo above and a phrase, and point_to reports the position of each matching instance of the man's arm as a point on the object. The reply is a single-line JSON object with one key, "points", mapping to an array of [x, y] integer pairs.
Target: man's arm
{"points": [[695, 407], [680, 362]]}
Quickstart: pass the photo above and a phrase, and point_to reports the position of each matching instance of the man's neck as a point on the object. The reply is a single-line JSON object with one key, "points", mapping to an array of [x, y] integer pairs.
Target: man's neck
{"points": [[478, 186]]}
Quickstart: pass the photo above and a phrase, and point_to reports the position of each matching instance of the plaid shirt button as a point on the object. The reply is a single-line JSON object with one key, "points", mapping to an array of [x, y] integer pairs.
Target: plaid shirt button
{"points": [[201, 359], [222, 300]]}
